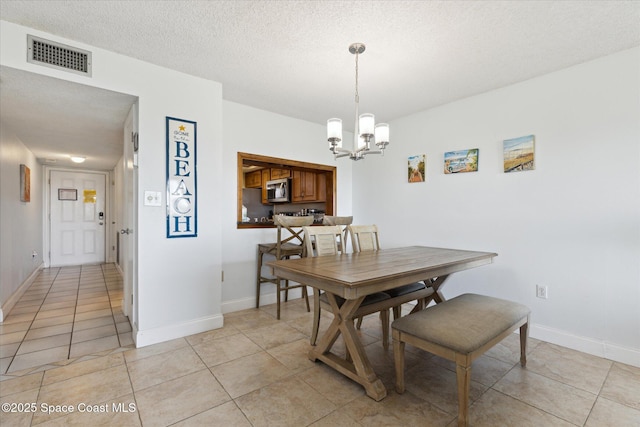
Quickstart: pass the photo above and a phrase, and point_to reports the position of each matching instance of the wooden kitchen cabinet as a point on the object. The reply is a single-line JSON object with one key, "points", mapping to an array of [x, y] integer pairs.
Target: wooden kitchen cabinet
{"points": [[304, 186], [253, 179], [266, 176], [277, 173]]}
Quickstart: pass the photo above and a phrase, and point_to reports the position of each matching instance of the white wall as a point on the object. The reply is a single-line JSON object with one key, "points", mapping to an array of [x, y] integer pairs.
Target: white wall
{"points": [[254, 131], [572, 224], [179, 289], [20, 222]]}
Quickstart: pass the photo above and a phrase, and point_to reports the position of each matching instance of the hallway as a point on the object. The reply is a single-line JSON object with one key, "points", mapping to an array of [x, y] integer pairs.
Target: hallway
{"points": [[67, 314]]}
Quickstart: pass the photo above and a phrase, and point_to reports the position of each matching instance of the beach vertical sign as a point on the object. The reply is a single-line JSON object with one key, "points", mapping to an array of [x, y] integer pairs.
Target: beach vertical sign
{"points": [[182, 195]]}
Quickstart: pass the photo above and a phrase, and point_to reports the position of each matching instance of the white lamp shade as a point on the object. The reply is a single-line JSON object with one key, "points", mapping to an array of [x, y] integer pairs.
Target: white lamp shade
{"points": [[382, 133], [334, 129], [367, 123]]}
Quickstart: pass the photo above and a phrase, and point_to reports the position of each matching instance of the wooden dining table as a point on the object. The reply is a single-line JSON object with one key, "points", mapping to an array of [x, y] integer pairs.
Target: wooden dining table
{"points": [[353, 277]]}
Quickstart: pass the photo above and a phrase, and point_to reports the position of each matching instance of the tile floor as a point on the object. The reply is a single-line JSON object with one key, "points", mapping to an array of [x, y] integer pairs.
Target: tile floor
{"points": [[67, 313], [255, 372]]}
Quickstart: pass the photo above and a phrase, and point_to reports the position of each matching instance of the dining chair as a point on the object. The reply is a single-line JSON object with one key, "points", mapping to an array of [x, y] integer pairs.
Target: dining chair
{"points": [[365, 238], [324, 241], [289, 243], [342, 221]]}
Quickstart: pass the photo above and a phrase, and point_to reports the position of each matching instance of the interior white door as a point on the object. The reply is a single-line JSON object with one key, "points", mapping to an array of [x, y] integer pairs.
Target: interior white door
{"points": [[77, 218], [127, 237]]}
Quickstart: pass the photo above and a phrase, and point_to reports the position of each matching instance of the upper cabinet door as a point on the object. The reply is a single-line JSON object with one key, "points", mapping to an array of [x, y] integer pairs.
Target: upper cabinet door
{"points": [[304, 187]]}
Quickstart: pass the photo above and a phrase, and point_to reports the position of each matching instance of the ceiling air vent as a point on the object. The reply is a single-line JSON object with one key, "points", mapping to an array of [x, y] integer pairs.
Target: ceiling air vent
{"points": [[59, 56]]}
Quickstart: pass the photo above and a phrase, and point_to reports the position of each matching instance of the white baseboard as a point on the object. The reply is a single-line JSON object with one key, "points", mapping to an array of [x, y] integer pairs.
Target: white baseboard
{"points": [[265, 299], [607, 350], [15, 297], [147, 337]]}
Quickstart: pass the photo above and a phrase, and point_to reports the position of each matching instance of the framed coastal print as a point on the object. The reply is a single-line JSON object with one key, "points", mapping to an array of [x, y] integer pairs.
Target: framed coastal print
{"points": [[416, 168], [518, 154], [461, 161], [25, 183]]}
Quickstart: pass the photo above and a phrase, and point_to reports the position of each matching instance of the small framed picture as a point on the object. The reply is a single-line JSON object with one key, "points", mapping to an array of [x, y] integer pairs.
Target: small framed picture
{"points": [[417, 168], [25, 183], [67, 194], [518, 154], [461, 161]]}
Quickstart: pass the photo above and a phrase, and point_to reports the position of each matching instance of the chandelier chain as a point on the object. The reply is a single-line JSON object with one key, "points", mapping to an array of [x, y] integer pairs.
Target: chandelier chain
{"points": [[357, 96]]}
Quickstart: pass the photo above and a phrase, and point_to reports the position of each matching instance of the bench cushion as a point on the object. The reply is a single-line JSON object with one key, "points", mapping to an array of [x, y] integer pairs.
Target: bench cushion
{"points": [[463, 323]]}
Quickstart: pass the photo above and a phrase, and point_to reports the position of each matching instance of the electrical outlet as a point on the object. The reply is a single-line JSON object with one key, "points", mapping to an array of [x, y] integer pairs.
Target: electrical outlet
{"points": [[542, 292]]}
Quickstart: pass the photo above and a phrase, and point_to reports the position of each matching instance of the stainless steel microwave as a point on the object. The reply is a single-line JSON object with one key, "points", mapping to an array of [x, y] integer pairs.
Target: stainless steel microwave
{"points": [[279, 190]]}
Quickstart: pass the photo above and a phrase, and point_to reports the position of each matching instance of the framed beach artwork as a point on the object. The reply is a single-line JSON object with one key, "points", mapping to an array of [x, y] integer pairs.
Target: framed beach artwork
{"points": [[518, 154], [25, 183], [417, 167], [461, 161]]}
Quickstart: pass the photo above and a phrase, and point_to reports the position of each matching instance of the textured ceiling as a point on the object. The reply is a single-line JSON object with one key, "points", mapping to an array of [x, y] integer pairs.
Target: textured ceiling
{"points": [[291, 57]]}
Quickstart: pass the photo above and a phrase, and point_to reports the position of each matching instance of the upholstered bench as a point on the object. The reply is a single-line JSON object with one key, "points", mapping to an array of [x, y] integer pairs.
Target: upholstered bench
{"points": [[460, 329]]}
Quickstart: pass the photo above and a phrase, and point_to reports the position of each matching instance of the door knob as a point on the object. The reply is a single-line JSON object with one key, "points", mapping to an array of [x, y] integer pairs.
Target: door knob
{"points": [[126, 231]]}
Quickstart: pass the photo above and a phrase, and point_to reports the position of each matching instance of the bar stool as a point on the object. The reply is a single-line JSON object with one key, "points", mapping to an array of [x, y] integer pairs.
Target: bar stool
{"points": [[284, 248]]}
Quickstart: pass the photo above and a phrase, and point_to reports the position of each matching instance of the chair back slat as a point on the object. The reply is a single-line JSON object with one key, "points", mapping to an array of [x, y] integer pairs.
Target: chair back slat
{"points": [[293, 226], [364, 237], [322, 241], [343, 222]]}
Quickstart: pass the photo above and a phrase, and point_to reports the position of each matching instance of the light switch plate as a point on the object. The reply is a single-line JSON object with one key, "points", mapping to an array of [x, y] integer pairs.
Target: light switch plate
{"points": [[152, 198]]}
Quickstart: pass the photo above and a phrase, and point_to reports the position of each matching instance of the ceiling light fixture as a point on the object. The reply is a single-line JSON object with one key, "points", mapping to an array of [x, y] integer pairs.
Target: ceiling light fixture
{"points": [[78, 159], [365, 130]]}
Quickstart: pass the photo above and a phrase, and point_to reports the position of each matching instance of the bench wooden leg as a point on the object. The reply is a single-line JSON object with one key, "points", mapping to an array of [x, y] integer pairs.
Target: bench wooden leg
{"points": [[524, 335], [398, 357], [384, 318], [463, 376]]}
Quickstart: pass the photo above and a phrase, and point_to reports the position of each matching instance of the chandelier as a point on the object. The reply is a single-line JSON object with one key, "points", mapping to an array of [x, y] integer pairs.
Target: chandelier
{"points": [[365, 131]]}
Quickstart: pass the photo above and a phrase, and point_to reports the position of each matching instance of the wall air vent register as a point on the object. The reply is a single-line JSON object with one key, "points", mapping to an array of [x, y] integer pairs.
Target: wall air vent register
{"points": [[59, 56]]}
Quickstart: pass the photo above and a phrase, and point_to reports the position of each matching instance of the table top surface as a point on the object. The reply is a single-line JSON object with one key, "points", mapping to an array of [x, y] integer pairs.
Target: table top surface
{"points": [[354, 275]]}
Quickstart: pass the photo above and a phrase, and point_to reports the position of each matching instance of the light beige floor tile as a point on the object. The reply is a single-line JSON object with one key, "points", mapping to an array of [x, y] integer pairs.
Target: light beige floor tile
{"points": [[57, 305], [164, 367], [227, 414], [249, 373], [297, 404], [226, 348], [92, 307], [126, 339], [121, 412], [21, 384], [273, 336], [14, 417], [609, 413], [93, 333], [49, 331], [151, 350], [248, 320], [438, 385], [93, 346], [337, 418], [5, 362], [508, 350], [13, 337], [559, 399], [571, 367], [396, 410], [92, 388], [80, 325], [9, 350], [93, 314], [623, 385], [44, 343], [203, 337], [37, 358], [14, 327], [180, 398], [55, 313], [294, 355], [334, 386], [497, 409], [123, 327], [25, 309], [52, 321], [82, 368], [19, 318]]}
